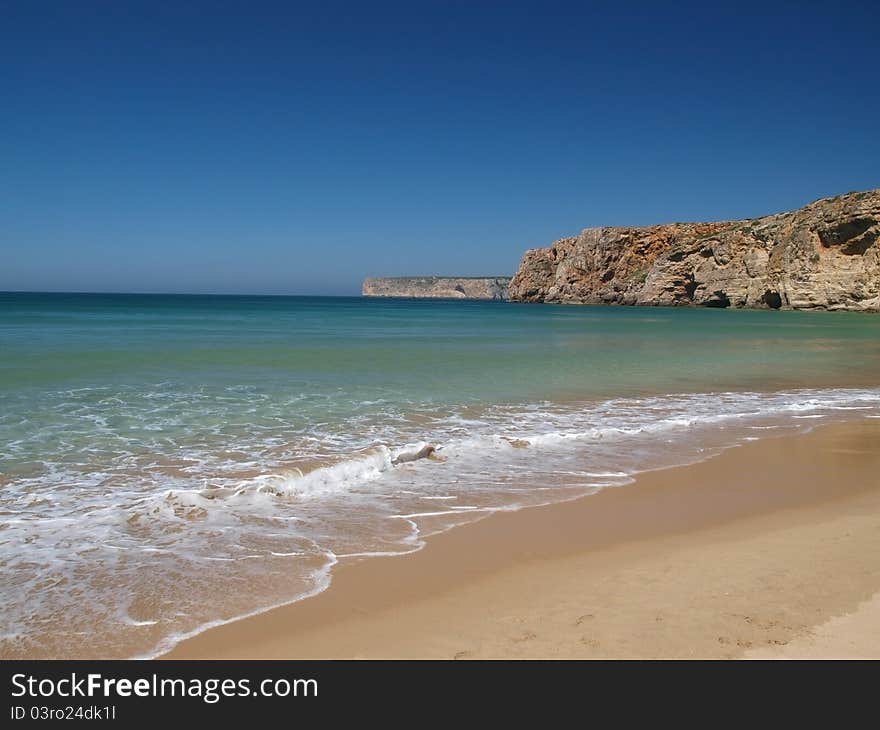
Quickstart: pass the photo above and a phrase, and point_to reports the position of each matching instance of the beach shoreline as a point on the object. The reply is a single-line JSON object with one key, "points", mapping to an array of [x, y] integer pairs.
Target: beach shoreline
{"points": [[181, 461], [764, 550]]}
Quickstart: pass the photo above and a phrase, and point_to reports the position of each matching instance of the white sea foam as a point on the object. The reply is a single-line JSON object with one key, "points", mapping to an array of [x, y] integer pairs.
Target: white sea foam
{"points": [[320, 482]]}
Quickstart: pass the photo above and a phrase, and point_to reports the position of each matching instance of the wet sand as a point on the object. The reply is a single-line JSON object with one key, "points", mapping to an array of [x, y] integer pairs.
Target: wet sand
{"points": [[771, 549]]}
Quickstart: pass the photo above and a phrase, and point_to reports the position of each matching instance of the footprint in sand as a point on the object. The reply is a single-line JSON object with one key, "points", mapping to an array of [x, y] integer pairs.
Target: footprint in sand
{"points": [[527, 636]]}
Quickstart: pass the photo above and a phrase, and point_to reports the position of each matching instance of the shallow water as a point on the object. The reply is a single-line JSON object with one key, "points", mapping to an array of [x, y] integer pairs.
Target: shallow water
{"points": [[169, 462]]}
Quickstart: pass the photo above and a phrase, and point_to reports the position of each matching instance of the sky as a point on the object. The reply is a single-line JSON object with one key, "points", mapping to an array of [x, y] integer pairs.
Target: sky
{"points": [[296, 148]]}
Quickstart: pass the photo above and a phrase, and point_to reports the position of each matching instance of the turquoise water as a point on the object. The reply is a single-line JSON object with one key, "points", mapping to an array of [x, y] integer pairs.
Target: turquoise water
{"points": [[171, 462]]}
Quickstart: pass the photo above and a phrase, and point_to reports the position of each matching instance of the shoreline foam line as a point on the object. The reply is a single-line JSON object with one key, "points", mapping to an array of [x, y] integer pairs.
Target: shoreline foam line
{"points": [[423, 540], [594, 578]]}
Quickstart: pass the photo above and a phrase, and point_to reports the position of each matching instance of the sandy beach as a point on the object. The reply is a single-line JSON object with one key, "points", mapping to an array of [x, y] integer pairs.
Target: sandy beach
{"points": [[771, 549]]}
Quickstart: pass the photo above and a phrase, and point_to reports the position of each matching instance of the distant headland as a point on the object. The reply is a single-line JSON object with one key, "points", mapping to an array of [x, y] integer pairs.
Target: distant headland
{"points": [[438, 287]]}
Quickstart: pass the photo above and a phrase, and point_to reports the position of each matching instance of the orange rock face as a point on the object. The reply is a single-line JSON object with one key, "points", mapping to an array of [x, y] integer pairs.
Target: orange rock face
{"points": [[822, 256]]}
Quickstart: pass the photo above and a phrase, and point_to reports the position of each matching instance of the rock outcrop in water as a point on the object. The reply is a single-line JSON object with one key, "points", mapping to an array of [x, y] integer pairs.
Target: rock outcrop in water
{"points": [[823, 256], [438, 287]]}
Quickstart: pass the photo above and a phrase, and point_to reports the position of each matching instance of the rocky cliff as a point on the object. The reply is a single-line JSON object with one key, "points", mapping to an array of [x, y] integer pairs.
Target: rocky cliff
{"points": [[823, 256], [438, 287]]}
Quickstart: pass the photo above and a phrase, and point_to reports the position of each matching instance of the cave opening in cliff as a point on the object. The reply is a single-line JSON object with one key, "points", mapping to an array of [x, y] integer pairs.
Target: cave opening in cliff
{"points": [[772, 299]]}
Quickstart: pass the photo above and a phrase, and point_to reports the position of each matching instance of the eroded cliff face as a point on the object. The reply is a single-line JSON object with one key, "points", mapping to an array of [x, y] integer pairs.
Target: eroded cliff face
{"points": [[823, 256], [438, 287]]}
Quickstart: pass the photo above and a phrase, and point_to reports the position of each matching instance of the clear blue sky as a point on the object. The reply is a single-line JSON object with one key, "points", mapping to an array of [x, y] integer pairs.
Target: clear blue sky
{"points": [[297, 147]]}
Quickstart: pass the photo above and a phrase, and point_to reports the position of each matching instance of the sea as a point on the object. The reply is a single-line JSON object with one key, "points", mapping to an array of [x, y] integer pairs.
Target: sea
{"points": [[170, 463]]}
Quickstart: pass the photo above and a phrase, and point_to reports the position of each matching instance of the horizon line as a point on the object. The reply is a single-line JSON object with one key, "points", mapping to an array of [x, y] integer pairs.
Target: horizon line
{"points": [[172, 293]]}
